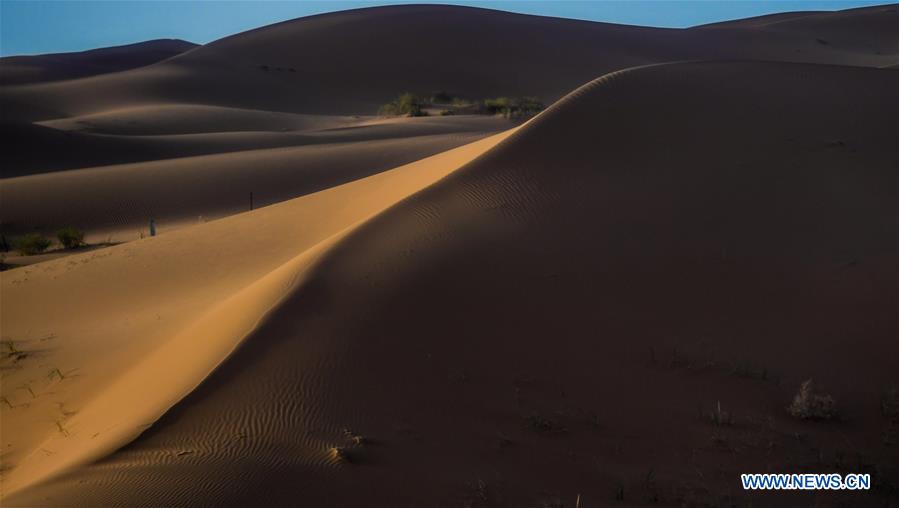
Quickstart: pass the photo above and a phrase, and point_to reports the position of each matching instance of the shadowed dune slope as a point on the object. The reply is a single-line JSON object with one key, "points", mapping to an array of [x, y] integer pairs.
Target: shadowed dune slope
{"points": [[159, 132], [667, 247], [19, 70], [350, 62]]}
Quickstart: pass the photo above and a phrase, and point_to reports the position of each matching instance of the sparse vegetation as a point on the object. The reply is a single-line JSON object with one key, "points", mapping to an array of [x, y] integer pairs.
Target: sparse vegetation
{"points": [[406, 104], [14, 353], [652, 492], [70, 237], [356, 439], [719, 417], [61, 428], [342, 454], [32, 243], [808, 404], [62, 376], [513, 107], [543, 425]]}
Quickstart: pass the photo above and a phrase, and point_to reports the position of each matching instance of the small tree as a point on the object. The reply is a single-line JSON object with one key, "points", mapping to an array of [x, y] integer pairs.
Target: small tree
{"points": [[70, 237], [32, 243]]}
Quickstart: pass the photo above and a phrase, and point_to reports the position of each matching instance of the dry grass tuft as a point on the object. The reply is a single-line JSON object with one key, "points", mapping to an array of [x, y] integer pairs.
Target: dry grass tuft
{"points": [[808, 404]]}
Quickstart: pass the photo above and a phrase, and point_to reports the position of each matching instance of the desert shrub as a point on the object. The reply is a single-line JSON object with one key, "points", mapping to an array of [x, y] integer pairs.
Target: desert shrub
{"points": [[70, 237], [541, 425], [498, 106], [406, 104], [341, 454], [720, 417], [528, 106], [808, 404], [513, 107], [32, 243]]}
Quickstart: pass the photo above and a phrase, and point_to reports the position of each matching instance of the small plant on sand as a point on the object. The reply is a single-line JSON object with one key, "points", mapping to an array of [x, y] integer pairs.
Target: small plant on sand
{"points": [[543, 425], [355, 439], [32, 243], [70, 237], [619, 491], [341, 454], [720, 417], [652, 491], [11, 348], [61, 428], [406, 104], [56, 373], [808, 404]]}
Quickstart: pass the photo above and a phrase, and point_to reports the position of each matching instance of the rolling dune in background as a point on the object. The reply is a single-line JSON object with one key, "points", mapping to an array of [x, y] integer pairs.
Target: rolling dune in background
{"points": [[614, 301], [351, 62], [118, 200], [21, 70]]}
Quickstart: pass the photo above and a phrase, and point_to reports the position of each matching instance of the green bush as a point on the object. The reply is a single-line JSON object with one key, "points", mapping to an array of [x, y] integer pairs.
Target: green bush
{"points": [[513, 107], [404, 105], [32, 243], [70, 237], [498, 106]]}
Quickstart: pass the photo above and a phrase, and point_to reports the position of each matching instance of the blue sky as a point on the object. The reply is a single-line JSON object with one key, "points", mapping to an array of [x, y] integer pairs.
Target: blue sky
{"points": [[38, 26]]}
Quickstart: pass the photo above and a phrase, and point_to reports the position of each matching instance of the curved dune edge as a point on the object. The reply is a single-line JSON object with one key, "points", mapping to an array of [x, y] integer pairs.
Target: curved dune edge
{"points": [[164, 377], [111, 419]]}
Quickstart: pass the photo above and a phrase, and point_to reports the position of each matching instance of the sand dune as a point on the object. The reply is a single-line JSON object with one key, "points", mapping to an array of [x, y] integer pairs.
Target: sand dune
{"points": [[354, 61], [617, 299], [866, 30], [35, 149], [20, 70], [116, 202], [200, 308], [162, 119], [253, 91], [541, 322]]}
